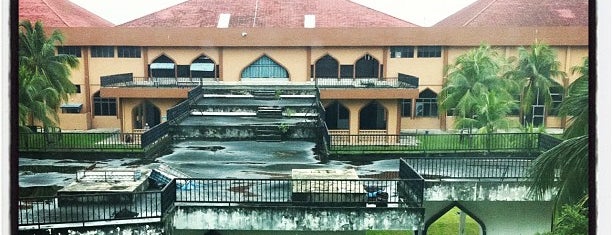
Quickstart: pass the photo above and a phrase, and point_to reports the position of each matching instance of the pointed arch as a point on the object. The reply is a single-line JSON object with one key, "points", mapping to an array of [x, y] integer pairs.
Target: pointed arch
{"points": [[444, 210], [145, 113], [367, 67], [264, 67], [373, 116], [162, 66], [337, 116], [327, 67], [203, 67], [427, 104]]}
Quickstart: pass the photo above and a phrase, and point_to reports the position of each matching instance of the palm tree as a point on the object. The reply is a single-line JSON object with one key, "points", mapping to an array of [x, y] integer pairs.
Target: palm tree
{"points": [[490, 111], [42, 73], [535, 72], [564, 168], [34, 95], [471, 78]]}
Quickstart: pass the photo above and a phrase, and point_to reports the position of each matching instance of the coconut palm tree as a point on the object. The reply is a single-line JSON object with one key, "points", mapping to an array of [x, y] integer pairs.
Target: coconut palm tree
{"points": [[470, 79], [34, 95], [564, 168], [42, 72], [490, 111], [536, 70]]}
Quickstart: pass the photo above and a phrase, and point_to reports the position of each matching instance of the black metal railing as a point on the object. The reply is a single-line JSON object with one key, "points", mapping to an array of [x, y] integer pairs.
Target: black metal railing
{"points": [[546, 142], [390, 82], [63, 141], [223, 192], [154, 134], [434, 143], [412, 191], [128, 80], [470, 167], [178, 112], [291, 192], [116, 80], [195, 93], [88, 208]]}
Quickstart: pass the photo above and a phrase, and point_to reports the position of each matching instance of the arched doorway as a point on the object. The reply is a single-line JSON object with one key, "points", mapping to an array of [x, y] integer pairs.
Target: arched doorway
{"points": [[337, 116], [162, 67], [454, 219], [264, 67], [373, 117], [366, 67], [326, 67], [145, 113]]}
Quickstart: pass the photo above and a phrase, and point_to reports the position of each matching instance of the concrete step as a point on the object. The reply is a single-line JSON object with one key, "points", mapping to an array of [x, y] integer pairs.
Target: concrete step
{"points": [[264, 94], [269, 112]]}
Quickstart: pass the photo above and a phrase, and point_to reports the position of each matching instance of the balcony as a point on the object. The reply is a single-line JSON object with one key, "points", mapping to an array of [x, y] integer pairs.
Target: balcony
{"points": [[128, 80], [360, 83]]}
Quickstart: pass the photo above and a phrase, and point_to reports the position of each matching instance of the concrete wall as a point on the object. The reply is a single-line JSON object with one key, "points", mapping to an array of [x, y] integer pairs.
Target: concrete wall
{"points": [[503, 207], [501, 217], [295, 218], [479, 191]]}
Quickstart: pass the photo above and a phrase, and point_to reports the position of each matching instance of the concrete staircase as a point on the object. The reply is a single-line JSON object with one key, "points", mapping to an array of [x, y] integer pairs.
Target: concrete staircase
{"points": [[269, 112], [268, 133]]}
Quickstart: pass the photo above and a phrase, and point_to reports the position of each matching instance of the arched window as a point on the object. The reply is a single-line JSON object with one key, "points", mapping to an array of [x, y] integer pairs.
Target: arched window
{"points": [[337, 116], [264, 67], [104, 106], [145, 113], [366, 67], [163, 67], [427, 104], [373, 117], [202, 67], [326, 67]]}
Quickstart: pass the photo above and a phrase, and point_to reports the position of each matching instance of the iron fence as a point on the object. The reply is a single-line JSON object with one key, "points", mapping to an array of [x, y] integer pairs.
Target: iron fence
{"points": [[154, 134], [128, 80], [470, 167], [546, 142], [434, 142], [356, 83], [295, 192], [63, 141], [177, 112], [88, 208]]}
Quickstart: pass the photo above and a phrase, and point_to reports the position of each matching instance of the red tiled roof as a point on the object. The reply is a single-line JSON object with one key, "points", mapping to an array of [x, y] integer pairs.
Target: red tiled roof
{"points": [[59, 13], [521, 13], [268, 14]]}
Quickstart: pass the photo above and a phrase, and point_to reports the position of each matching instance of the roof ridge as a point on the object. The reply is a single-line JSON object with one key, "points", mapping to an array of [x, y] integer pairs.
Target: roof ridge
{"points": [[55, 12], [387, 14], [478, 14]]}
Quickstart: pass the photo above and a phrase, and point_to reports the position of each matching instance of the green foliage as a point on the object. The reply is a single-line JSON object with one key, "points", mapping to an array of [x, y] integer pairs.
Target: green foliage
{"points": [[44, 77], [573, 219], [449, 224], [477, 93], [283, 127], [564, 168], [535, 72]]}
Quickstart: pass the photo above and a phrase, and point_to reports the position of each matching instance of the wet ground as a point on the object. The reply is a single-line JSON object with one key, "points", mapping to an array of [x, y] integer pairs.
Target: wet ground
{"points": [[206, 159]]}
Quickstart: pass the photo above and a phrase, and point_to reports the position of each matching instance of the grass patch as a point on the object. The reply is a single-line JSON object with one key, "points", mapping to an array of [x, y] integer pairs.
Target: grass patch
{"points": [[449, 224], [372, 232], [63, 141]]}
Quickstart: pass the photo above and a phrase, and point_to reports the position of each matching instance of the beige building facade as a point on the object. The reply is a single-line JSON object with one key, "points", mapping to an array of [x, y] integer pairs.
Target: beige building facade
{"points": [[304, 54]]}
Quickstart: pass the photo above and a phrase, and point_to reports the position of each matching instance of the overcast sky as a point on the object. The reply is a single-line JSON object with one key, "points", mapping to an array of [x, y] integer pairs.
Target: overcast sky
{"points": [[420, 12]]}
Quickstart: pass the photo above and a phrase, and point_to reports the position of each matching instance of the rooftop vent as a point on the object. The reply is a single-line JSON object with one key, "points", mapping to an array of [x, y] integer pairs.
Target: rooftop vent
{"points": [[309, 21], [224, 20]]}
